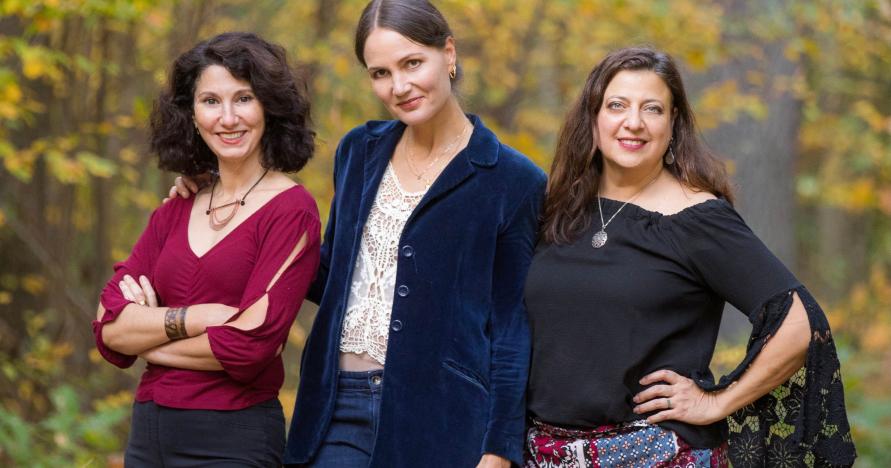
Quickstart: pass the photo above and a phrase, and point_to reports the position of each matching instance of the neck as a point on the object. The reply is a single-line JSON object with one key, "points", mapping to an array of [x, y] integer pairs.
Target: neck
{"points": [[624, 184], [439, 130], [236, 177]]}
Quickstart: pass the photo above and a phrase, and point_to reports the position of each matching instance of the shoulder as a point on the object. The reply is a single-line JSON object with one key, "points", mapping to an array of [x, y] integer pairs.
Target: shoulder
{"points": [[519, 164], [369, 130], [170, 210], [670, 197], [293, 209]]}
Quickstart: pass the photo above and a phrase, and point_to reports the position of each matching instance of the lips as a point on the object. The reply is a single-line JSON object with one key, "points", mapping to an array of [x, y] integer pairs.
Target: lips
{"points": [[232, 138], [631, 143], [410, 104]]}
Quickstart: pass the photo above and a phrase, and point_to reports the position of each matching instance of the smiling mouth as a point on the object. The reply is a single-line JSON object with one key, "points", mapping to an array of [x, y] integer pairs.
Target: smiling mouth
{"points": [[410, 103], [631, 143], [232, 136]]}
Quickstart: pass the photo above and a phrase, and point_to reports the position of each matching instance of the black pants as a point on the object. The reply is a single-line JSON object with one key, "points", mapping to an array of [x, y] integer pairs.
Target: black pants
{"points": [[170, 437]]}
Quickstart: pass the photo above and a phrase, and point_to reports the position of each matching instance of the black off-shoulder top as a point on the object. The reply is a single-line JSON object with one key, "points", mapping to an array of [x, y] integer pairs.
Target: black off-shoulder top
{"points": [[651, 299]]}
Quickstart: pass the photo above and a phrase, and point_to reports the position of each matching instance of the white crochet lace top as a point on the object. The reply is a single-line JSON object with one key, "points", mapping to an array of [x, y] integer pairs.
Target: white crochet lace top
{"points": [[366, 325]]}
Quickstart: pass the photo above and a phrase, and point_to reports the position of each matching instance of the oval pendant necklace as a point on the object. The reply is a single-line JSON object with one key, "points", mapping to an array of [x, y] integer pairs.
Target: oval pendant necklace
{"points": [[599, 239]]}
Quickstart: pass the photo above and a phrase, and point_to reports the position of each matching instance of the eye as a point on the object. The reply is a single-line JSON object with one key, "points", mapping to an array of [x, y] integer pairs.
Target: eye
{"points": [[378, 73], [210, 101], [653, 109], [245, 98], [615, 105], [413, 63]]}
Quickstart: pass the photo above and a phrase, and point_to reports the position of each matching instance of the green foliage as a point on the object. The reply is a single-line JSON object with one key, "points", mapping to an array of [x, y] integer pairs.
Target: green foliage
{"points": [[66, 435], [50, 421]]}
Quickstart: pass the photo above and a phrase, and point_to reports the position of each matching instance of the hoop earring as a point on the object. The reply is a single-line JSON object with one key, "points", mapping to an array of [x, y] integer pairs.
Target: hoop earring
{"points": [[453, 72], [669, 156]]}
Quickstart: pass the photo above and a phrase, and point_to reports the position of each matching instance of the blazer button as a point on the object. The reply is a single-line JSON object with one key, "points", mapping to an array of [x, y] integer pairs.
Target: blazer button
{"points": [[396, 325], [408, 251], [402, 291]]}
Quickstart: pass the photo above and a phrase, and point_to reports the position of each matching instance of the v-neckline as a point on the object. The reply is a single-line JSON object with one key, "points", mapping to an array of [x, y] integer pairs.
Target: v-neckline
{"points": [[233, 231]]}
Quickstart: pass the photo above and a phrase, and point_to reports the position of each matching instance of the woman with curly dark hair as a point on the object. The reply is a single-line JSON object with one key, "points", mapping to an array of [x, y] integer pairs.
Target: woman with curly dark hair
{"points": [[220, 275]]}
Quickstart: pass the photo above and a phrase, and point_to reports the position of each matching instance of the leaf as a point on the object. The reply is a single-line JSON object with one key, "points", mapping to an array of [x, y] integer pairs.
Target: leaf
{"points": [[95, 165]]}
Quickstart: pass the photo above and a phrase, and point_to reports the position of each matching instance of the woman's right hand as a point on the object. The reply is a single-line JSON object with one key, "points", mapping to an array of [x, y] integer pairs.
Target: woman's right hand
{"points": [[184, 186]]}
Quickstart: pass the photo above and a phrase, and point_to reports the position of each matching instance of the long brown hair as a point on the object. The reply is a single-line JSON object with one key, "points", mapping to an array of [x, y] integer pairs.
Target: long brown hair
{"points": [[575, 172]]}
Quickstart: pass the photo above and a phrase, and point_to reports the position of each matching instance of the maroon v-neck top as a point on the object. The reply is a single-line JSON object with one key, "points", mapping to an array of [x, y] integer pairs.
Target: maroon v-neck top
{"points": [[236, 271]]}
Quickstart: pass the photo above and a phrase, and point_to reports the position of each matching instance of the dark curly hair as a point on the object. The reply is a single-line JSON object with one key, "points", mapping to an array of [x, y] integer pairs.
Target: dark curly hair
{"points": [[287, 142]]}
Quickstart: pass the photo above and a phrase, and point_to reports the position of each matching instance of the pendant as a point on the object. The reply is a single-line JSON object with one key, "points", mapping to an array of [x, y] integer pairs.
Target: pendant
{"points": [[599, 239], [216, 223]]}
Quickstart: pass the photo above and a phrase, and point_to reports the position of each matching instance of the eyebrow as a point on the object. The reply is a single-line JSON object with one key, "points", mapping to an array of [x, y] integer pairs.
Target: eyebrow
{"points": [[409, 56], [237, 91], [648, 101]]}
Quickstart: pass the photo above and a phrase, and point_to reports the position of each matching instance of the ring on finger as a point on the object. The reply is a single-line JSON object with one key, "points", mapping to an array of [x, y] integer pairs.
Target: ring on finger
{"points": [[668, 400]]}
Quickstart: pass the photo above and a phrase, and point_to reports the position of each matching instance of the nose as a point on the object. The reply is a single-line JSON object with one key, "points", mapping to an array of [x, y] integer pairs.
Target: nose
{"points": [[229, 117], [633, 120], [401, 84]]}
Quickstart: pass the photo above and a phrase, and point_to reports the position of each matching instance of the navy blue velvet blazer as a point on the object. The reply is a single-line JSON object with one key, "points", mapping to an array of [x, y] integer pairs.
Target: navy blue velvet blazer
{"points": [[458, 352]]}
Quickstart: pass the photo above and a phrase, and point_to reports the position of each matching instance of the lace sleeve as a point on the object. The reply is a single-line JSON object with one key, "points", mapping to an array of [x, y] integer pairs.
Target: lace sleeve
{"points": [[802, 422]]}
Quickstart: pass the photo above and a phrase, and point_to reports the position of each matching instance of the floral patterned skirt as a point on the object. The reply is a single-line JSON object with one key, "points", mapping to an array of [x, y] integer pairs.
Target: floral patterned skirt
{"points": [[629, 445]]}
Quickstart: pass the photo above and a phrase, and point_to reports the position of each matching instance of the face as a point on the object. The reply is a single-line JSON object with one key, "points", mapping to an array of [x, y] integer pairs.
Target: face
{"points": [[634, 121], [411, 79], [228, 115]]}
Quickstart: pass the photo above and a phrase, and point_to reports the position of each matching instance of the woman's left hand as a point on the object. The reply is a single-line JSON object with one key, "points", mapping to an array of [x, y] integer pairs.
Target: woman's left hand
{"points": [[675, 397], [493, 461]]}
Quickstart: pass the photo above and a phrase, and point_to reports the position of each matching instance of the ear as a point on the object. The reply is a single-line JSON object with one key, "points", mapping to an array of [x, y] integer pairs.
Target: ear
{"points": [[450, 51]]}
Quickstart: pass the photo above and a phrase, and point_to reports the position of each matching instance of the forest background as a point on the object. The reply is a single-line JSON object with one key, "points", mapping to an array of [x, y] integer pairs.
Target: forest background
{"points": [[796, 95]]}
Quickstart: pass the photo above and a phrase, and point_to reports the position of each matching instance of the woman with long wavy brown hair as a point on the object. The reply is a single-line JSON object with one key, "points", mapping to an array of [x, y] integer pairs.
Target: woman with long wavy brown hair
{"points": [[641, 247]]}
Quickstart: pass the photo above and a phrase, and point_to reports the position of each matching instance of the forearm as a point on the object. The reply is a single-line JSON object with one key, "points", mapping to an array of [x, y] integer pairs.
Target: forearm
{"points": [[137, 329], [781, 357], [191, 353], [140, 328]]}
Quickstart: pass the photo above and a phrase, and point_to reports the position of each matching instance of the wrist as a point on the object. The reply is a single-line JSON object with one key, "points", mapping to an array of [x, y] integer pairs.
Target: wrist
{"points": [[175, 323], [721, 407]]}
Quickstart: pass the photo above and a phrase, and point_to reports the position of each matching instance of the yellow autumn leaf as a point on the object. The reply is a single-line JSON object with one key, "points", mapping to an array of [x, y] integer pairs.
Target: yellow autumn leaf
{"points": [[11, 92], [34, 284], [5, 297]]}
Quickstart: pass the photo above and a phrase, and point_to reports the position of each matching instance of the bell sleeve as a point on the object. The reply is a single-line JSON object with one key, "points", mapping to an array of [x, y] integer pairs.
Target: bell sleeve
{"points": [[804, 419], [283, 272]]}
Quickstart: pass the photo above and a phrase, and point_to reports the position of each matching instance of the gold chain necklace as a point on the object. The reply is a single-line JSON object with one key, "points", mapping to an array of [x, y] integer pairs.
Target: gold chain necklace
{"points": [[409, 156]]}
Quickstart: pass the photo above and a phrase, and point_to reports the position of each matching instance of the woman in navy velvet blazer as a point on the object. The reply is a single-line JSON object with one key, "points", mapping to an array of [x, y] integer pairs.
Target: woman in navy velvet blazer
{"points": [[419, 353], [448, 388]]}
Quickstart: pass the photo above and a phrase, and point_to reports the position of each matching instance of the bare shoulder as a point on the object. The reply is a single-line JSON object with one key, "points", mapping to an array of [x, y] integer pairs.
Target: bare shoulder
{"points": [[671, 197]]}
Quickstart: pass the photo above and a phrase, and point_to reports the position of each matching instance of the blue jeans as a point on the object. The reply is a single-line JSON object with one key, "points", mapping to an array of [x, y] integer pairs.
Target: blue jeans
{"points": [[162, 436], [350, 438]]}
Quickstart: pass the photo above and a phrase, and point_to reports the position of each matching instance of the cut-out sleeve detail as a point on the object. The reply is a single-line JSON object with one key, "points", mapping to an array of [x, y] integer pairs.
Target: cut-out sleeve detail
{"points": [[245, 353], [804, 419], [140, 262], [802, 422]]}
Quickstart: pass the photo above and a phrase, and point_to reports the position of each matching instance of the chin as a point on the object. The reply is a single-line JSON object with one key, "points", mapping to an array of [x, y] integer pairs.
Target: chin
{"points": [[415, 117]]}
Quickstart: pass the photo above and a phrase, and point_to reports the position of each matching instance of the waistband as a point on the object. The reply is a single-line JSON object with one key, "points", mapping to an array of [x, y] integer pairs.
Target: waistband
{"points": [[370, 380], [599, 432]]}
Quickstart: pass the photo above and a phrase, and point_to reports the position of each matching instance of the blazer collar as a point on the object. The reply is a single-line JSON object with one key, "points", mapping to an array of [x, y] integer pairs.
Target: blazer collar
{"points": [[482, 149]]}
